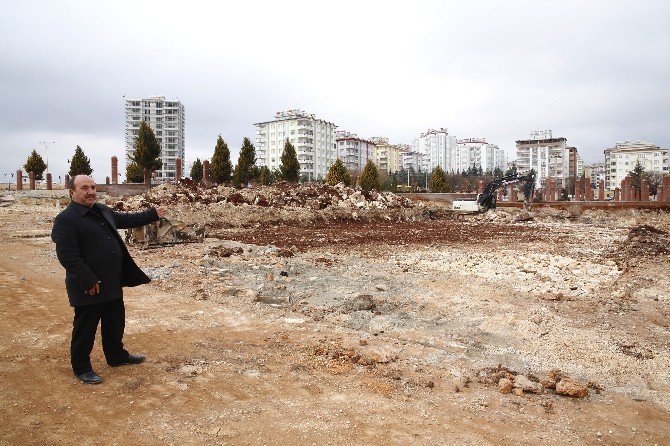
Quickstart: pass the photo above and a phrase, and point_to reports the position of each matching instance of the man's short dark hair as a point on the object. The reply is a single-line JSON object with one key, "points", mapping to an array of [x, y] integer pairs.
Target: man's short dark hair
{"points": [[70, 183]]}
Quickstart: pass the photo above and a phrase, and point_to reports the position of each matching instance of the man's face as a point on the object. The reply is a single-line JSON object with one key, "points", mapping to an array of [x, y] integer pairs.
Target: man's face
{"points": [[84, 190]]}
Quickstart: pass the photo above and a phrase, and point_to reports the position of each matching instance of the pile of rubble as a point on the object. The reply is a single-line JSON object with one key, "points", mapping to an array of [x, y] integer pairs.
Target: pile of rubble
{"points": [[643, 240], [224, 206], [557, 382], [307, 195]]}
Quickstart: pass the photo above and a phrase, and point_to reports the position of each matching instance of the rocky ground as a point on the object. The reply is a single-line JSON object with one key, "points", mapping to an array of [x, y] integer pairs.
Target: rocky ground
{"points": [[327, 316]]}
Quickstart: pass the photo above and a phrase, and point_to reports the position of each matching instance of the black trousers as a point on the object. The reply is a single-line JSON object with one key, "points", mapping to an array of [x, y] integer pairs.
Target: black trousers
{"points": [[112, 315]]}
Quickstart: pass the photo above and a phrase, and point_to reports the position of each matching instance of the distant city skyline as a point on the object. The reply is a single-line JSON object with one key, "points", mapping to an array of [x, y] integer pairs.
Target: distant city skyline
{"points": [[592, 72]]}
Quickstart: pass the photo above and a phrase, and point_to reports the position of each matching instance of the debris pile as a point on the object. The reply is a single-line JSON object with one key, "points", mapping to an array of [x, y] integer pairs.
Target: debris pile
{"points": [[364, 355], [307, 195], [642, 241], [509, 381], [228, 207]]}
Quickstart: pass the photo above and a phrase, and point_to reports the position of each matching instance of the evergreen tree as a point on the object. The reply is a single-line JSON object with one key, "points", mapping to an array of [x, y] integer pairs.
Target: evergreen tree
{"points": [[265, 176], [290, 167], [528, 186], [134, 173], [565, 196], [80, 164], [147, 151], [196, 170], [35, 164], [338, 174], [512, 170], [636, 176], [370, 177], [221, 168], [245, 171], [438, 181]]}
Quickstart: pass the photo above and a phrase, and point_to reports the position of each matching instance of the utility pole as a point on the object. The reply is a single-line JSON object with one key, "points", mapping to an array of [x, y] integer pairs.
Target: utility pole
{"points": [[46, 153]]}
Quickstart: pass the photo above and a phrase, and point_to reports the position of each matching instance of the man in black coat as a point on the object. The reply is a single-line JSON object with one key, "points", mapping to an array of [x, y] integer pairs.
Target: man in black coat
{"points": [[97, 267]]}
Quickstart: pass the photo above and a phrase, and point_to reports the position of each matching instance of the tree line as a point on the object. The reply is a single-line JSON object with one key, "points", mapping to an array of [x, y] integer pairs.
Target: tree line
{"points": [[79, 164]]}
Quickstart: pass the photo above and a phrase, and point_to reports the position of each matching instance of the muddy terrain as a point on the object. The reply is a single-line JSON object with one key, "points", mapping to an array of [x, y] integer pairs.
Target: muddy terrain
{"points": [[322, 316]]}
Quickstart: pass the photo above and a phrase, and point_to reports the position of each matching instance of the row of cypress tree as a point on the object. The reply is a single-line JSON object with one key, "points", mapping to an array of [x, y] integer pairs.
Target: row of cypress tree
{"points": [[222, 172], [79, 164], [221, 169]]}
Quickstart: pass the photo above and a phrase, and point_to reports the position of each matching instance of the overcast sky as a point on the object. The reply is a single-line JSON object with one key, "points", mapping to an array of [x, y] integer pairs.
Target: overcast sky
{"points": [[595, 72]]}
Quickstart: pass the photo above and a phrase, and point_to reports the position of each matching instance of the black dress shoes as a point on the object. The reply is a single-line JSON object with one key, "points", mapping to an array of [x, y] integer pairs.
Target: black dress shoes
{"points": [[130, 360], [89, 378]]}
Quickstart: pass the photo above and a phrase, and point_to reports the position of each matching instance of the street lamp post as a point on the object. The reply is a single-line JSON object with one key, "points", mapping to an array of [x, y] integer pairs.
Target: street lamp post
{"points": [[46, 153]]}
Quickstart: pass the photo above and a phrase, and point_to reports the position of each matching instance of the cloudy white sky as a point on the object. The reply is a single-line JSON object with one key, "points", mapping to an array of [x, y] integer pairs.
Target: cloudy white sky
{"points": [[595, 72]]}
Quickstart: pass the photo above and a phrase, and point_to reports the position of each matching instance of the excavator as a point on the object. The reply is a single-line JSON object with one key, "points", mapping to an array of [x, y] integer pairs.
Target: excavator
{"points": [[487, 199]]}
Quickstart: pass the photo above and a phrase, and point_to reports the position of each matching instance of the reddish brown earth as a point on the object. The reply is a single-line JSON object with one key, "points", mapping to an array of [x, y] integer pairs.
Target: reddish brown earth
{"points": [[343, 235]]}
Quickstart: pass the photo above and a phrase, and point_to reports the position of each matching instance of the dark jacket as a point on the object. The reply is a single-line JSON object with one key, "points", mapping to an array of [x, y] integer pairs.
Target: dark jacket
{"points": [[91, 250]]}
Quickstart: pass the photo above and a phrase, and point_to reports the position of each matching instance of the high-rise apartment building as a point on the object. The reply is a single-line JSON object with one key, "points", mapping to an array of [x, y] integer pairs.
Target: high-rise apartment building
{"points": [[547, 155], [419, 146], [596, 172], [624, 156], [353, 151], [441, 149], [412, 159], [476, 152], [167, 119], [313, 139]]}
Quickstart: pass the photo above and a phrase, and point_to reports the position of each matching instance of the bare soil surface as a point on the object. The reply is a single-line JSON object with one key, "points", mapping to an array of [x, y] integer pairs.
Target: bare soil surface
{"points": [[313, 331]]}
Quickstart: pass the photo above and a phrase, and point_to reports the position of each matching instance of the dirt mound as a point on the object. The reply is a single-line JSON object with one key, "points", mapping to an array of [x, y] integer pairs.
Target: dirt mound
{"points": [[643, 241], [306, 195], [226, 207]]}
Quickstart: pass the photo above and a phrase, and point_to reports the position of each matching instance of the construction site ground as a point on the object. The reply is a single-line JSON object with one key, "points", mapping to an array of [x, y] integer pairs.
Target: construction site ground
{"points": [[350, 331]]}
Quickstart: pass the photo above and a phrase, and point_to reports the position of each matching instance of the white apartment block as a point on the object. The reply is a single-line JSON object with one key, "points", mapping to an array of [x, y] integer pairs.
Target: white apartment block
{"points": [[440, 149], [624, 156], [167, 119], [476, 152], [412, 159], [580, 166], [313, 139], [549, 157], [353, 151], [386, 156], [419, 146], [596, 172]]}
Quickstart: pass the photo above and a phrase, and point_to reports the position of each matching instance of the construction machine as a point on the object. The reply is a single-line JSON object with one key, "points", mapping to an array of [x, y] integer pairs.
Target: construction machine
{"points": [[487, 199]]}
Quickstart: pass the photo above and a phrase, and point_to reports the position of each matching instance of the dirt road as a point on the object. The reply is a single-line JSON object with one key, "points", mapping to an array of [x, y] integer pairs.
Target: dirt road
{"points": [[364, 333]]}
